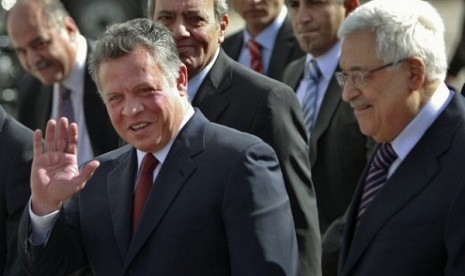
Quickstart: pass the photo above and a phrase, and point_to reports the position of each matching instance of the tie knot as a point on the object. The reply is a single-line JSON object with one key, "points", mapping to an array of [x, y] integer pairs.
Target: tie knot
{"points": [[254, 45], [148, 163], [313, 71], [385, 156]]}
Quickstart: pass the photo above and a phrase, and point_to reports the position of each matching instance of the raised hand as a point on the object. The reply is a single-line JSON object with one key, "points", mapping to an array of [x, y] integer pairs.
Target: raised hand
{"points": [[55, 176]]}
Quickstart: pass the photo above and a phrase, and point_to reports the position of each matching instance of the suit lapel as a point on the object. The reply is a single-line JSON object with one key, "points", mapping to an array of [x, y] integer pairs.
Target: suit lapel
{"points": [[297, 69], [284, 46], [209, 97], [235, 47], [177, 169], [120, 189], [410, 178], [328, 107], [43, 107]]}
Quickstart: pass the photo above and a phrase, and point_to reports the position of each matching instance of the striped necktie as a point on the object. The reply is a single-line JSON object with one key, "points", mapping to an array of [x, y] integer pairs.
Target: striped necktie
{"points": [[309, 102], [65, 105], [376, 177], [255, 51]]}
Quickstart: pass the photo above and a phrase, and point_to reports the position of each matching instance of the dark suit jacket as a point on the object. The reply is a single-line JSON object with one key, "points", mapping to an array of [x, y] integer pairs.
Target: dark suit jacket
{"points": [[240, 98], [35, 107], [339, 150], [15, 169], [285, 49], [217, 207], [415, 225]]}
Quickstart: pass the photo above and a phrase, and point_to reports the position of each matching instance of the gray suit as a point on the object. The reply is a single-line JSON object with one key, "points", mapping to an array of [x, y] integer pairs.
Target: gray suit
{"points": [[15, 169], [218, 207], [235, 96]]}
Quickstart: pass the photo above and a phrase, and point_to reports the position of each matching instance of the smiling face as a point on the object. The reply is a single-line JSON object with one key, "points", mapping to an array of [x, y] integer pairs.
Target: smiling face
{"points": [[46, 51], [195, 29], [315, 23], [144, 109], [385, 103], [258, 14]]}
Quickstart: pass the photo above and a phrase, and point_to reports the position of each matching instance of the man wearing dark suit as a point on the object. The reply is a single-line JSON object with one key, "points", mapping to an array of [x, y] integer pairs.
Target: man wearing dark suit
{"points": [[406, 216], [338, 150], [15, 169], [233, 95], [268, 23], [54, 54], [218, 205]]}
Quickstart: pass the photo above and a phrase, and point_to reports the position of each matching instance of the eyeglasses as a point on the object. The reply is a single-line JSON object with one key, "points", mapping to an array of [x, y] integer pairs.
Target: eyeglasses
{"points": [[357, 77]]}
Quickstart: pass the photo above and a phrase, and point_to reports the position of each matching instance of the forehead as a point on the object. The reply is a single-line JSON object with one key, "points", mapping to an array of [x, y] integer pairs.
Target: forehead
{"points": [[26, 21], [129, 70], [179, 6], [358, 49]]}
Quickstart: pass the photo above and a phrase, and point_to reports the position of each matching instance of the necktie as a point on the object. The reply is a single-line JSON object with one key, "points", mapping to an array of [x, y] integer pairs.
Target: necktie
{"points": [[376, 177], [65, 105], [309, 102], [255, 51], [143, 186]]}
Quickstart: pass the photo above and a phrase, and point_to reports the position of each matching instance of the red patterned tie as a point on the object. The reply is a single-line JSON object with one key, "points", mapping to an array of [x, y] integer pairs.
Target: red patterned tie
{"points": [[143, 186], [255, 51]]}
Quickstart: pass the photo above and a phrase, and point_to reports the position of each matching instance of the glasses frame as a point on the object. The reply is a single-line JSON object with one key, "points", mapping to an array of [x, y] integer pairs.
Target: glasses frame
{"points": [[344, 78]]}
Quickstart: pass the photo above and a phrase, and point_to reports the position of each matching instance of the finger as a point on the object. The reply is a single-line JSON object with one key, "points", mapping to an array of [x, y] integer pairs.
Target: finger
{"points": [[86, 173], [37, 142], [50, 136], [61, 134], [72, 139]]}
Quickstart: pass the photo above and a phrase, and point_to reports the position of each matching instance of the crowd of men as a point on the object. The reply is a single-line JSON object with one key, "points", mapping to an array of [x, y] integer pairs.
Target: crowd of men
{"points": [[320, 139]]}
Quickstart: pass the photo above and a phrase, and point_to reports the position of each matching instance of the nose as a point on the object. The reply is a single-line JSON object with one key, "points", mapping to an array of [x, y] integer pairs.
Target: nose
{"points": [[180, 30], [349, 92], [303, 14], [132, 106], [32, 58]]}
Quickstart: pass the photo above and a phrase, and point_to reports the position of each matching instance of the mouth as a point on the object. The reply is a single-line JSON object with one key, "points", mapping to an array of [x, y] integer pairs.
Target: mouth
{"points": [[360, 106], [139, 127], [42, 65]]}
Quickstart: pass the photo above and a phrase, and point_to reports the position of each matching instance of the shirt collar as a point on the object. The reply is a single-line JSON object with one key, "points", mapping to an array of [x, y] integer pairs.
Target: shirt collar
{"points": [[267, 37], [328, 62], [195, 81], [163, 152], [412, 133]]}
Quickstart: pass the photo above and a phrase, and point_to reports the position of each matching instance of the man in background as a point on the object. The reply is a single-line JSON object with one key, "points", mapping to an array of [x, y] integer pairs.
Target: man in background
{"points": [[267, 43], [54, 53], [232, 95]]}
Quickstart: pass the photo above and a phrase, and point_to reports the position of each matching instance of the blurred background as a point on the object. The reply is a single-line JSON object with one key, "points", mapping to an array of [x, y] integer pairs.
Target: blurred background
{"points": [[93, 16]]}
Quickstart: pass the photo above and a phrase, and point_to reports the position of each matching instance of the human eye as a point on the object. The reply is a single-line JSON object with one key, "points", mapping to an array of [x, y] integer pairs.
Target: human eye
{"points": [[164, 18], [114, 98], [40, 44], [293, 4]]}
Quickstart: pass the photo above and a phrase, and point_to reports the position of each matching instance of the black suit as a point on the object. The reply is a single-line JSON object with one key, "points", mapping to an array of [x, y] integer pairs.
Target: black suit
{"points": [[218, 207], [415, 225], [285, 49], [15, 169], [240, 98], [339, 150], [35, 108]]}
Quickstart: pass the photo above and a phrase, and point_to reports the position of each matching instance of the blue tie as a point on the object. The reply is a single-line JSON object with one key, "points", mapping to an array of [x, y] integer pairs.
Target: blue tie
{"points": [[376, 177], [309, 102]]}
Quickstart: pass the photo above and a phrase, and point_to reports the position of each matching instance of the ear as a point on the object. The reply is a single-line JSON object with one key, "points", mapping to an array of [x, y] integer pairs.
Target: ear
{"points": [[181, 82], [417, 69], [70, 26], [222, 28], [350, 6]]}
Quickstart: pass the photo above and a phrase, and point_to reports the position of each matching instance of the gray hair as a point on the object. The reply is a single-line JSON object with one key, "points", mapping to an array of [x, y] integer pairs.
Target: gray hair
{"points": [[123, 38], [402, 28], [220, 6]]}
